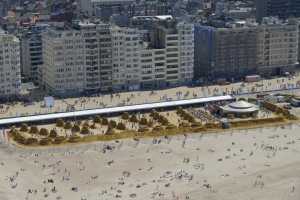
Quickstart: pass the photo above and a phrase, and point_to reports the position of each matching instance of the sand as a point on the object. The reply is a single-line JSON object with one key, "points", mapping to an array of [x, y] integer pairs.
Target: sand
{"points": [[255, 164]]}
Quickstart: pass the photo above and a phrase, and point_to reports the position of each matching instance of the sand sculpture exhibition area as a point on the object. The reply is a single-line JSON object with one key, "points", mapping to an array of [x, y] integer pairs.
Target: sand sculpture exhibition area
{"points": [[255, 164]]}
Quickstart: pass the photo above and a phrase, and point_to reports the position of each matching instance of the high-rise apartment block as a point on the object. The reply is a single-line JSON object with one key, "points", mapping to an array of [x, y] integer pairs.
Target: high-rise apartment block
{"points": [[278, 46], [160, 56], [243, 48], [95, 57], [71, 60], [126, 47], [31, 52], [10, 75]]}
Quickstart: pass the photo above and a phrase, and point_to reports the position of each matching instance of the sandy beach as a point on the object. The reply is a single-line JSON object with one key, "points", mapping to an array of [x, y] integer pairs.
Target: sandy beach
{"points": [[255, 164]]}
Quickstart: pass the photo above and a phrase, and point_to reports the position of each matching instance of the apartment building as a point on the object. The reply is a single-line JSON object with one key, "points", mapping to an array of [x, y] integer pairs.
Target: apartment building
{"points": [[97, 57], [225, 52], [10, 75], [153, 68], [71, 61], [245, 48], [170, 52], [178, 42], [186, 52], [126, 47], [31, 52], [278, 46], [105, 56]]}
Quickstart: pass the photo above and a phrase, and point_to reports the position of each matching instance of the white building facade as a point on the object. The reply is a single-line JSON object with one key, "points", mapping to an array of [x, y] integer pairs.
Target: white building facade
{"points": [[100, 57], [10, 71]]}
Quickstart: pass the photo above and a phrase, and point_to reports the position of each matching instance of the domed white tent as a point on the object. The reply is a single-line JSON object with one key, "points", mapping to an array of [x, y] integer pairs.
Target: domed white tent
{"points": [[240, 108]]}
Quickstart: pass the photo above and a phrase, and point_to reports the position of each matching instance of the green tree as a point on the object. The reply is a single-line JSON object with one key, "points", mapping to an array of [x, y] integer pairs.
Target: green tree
{"points": [[31, 141], [59, 140], [112, 123], [33, 130], [110, 131], [44, 132], [60, 123], [104, 121], [24, 127], [75, 128], [97, 120], [121, 126], [144, 121], [133, 119], [68, 125], [85, 130], [93, 126], [74, 139], [125, 116], [53, 133], [45, 141]]}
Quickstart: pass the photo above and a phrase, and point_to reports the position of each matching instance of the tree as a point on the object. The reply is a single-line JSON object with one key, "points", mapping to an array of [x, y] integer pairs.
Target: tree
{"points": [[31, 141], [150, 123], [125, 116], [97, 120], [59, 140], [112, 124], [60, 123], [163, 120], [110, 131], [68, 125], [24, 128], [44, 132], [121, 126], [45, 141], [93, 126], [154, 114], [19, 138], [75, 128], [144, 121], [104, 121], [53, 133], [85, 130], [33, 130], [179, 111], [74, 139], [133, 119]]}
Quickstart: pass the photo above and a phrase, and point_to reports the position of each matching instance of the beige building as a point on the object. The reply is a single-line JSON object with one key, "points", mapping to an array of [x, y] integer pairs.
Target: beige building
{"points": [[10, 71], [71, 60], [126, 48], [278, 46]]}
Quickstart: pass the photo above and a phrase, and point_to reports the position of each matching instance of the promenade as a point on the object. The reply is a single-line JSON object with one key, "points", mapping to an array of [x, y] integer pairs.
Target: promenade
{"points": [[18, 109]]}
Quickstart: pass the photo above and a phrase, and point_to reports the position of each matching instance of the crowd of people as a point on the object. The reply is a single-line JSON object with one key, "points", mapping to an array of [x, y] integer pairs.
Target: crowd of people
{"points": [[173, 168]]}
